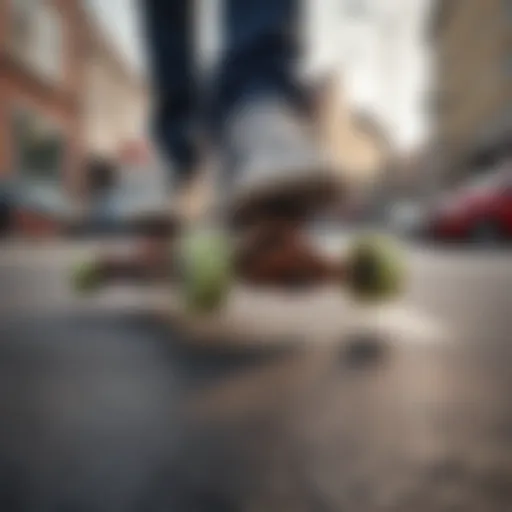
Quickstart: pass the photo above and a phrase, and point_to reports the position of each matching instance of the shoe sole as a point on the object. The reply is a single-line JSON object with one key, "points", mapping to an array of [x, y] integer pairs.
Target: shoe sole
{"points": [[296, 195]]}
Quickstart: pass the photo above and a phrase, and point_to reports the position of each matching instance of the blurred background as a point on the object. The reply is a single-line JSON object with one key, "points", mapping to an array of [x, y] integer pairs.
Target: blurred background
{"points": [[413, 99], [413, 102]]}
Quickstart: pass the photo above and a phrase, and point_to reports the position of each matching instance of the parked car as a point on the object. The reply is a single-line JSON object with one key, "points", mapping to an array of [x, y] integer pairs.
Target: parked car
{"points": [[480, 211]]}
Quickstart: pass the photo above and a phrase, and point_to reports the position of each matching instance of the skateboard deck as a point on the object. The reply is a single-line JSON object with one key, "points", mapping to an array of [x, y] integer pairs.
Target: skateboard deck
{"points": [[267, 319], [271, 287]]}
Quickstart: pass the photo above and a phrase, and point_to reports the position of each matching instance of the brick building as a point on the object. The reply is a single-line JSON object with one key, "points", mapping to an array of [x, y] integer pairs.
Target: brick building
{"points": [[68, 99], [43, 47]]}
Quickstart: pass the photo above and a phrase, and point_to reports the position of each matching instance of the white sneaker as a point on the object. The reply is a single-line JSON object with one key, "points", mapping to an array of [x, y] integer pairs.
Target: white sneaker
{"points": [[277, 167]]}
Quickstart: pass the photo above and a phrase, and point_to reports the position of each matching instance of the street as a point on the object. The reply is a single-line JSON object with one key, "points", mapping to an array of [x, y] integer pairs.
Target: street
{"points": [[103, 409]]}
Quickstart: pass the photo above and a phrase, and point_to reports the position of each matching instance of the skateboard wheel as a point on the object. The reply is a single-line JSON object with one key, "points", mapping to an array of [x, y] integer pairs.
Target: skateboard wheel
{"points": [[86, 277], [205, 270], [376, 270]]}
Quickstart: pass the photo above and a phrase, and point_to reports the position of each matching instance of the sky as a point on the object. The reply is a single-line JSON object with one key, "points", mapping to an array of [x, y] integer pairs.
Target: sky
{"points": [[378, 46], [119, 20]]}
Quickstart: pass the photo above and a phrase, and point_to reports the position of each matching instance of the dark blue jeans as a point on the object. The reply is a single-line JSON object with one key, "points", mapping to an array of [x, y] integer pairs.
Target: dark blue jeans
{"points": [[260, 53]]}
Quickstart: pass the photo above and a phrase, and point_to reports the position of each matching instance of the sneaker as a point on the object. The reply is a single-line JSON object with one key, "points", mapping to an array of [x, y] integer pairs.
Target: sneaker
{"points": [[276, 166]]}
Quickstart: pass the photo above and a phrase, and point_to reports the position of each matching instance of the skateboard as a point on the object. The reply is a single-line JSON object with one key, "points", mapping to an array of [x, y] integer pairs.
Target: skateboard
{"points": [[203, 266]]}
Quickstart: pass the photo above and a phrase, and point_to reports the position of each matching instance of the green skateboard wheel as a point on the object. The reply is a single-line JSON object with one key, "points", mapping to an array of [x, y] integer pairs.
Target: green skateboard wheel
{"points": [[86, 277], [376, 269], [204, 270]]}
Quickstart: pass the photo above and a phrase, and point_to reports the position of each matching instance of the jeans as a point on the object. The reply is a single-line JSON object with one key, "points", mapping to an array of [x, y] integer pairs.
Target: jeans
{"points": [[259, 58]]}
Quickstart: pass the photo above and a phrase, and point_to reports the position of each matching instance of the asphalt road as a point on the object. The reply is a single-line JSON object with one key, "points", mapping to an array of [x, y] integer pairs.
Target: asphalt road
{"points": [[104, 410]]}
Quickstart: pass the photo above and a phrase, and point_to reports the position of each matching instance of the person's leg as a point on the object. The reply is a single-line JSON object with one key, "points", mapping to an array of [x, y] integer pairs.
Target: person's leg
{"points": [[261, 51], [273, 161], [168, 29]]}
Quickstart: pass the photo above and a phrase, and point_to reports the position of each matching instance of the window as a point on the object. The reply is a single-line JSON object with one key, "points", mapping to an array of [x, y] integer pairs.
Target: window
{"points": [[37, 37], [21, 31], [38, 147], [50, 36]]}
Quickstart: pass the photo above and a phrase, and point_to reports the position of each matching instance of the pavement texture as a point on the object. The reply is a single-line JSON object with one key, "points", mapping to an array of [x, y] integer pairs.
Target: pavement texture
{"points": [[104, 409]]}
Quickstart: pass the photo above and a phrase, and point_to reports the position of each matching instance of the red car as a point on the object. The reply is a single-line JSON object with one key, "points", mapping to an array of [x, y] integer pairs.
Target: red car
{"points": [[480, 211]]}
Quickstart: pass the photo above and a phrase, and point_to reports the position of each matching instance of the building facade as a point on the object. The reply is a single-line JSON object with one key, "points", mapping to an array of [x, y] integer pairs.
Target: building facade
{"points": [[115, 101], [69, 102], [472, 107], [42, 52], [42, 55], [354, 141]]}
